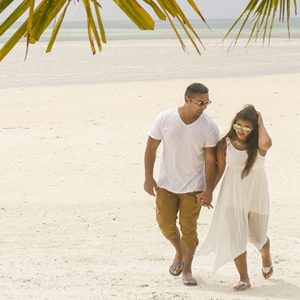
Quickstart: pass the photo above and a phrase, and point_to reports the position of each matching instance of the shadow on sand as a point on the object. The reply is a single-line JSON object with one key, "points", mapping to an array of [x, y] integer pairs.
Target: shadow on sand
{"points": [[274, 289]]}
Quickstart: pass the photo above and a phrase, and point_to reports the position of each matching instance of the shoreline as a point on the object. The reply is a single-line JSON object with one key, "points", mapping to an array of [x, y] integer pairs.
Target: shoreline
{"points": [[133, 61]]}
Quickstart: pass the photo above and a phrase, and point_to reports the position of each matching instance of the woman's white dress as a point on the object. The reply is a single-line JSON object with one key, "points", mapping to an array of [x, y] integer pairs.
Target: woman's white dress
{"points": [[242, 209]]}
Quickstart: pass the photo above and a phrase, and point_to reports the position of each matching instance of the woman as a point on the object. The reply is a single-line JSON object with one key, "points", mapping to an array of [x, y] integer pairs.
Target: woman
{"points": [[242, 208]]}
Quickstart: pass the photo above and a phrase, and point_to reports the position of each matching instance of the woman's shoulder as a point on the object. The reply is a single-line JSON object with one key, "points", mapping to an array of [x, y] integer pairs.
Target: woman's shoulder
{"points": [[222, 144]]}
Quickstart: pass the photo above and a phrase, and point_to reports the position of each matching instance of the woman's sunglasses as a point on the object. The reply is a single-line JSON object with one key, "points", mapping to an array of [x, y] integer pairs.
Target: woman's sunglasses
{"points": [[245, 129]]}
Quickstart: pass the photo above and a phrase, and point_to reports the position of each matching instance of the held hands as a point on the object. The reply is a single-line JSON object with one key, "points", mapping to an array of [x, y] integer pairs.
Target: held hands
{"points": [[150, 186], [205, 199]]}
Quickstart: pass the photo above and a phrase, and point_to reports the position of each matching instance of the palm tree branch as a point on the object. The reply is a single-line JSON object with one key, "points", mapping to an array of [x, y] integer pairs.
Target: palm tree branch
{"points": [[156, 9], [99, 19], [56, 28], [264, 13], [4, 4], [188, 34], [162, 5], [196, 9], [29, 25], [14, 16], [136, 13], [247, 11], [45, 15]]}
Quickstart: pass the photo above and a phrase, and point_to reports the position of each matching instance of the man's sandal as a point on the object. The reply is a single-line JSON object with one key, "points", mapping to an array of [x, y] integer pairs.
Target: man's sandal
{"points": [[242, 286], [176, 268], [267, 272]]}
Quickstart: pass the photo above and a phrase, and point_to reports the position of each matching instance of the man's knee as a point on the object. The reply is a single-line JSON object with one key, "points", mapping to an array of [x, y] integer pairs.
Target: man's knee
{"points": [[168, 229], [188, 227], [189, 235]]}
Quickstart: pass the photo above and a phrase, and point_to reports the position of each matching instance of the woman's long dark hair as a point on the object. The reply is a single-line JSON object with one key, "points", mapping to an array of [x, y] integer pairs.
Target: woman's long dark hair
{"points": [[247, 114]]}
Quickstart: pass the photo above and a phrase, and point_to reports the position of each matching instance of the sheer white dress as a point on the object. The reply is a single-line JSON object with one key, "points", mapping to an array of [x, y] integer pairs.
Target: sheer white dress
{"points": [[242, 209]]}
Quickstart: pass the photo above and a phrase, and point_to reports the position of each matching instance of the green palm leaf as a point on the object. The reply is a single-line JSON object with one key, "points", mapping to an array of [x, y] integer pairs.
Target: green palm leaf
{"points": [[262, 13], [4, 4], [56, 28], [99, 19], [14, 16]]}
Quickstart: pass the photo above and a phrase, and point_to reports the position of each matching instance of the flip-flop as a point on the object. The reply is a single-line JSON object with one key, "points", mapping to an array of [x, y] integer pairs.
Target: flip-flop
{"points": [[267, 272], [242, 286], [176, 268], [189, 280]]}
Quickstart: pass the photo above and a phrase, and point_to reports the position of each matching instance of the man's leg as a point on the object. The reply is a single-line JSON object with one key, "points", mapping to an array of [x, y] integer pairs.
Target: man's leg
{"points": [[189, 210], [167, 205]]}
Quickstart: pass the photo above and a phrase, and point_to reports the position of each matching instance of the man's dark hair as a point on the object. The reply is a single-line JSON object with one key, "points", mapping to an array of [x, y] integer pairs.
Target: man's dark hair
{"points": [[196, 88]]}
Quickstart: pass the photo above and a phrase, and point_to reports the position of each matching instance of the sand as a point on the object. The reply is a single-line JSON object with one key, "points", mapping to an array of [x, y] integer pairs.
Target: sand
{"points": [[75, 221]]}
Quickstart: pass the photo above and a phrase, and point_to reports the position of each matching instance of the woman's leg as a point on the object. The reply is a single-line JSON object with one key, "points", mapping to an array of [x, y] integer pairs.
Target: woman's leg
{"points": [[266, 255], [267, 269], [258, 224], [241, 265]]}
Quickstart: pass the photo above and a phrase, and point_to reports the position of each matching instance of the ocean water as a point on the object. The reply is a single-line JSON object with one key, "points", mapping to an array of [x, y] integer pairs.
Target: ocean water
{"points": [[126, 30], [133, 55]]}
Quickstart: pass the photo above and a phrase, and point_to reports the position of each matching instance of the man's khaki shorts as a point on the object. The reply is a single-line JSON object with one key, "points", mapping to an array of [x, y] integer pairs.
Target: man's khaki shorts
{"points": [[168, 205]]}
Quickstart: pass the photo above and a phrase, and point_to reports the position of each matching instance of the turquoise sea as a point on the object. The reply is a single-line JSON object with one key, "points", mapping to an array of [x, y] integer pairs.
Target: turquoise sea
{"points": [[134, 55], [125, 30]]}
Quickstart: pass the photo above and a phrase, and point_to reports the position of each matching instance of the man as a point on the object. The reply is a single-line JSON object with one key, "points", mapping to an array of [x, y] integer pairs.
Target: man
{"points": [[188, 167]]}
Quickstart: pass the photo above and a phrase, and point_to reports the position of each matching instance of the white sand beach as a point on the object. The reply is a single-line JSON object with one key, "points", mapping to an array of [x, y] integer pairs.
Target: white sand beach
{"points": [[75, 221]]}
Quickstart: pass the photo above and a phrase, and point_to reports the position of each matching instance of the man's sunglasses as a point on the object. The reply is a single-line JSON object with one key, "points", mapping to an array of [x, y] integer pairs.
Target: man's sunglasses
{"points": [[201, 103]]}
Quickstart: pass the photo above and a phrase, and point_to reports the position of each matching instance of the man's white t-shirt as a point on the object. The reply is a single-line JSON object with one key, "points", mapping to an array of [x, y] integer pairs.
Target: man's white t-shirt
{"points": [[183, 166]]}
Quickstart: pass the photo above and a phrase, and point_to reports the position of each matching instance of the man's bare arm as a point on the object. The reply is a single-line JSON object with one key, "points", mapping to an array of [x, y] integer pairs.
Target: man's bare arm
{"points": [[150, 155], [210, 168], [210, 156]]}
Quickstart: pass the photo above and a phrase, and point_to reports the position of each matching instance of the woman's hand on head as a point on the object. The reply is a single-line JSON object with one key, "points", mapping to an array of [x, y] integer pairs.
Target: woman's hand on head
{"points": [[259, 118]]}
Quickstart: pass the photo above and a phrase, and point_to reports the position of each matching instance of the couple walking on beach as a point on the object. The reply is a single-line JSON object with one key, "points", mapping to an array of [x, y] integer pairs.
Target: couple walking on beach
{"points": [[193, 162]]}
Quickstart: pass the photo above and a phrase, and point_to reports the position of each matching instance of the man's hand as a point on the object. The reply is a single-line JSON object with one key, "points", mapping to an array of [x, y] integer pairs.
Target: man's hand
{"points": [[205, 199], [150, 186]]}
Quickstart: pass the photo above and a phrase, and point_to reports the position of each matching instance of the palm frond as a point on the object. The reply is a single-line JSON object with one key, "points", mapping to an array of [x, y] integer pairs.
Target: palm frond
{"points": [[40, 17], [4, 4], [29, 25], [159, 13], [91, 24], [41, 13], [97, 7], [136, 13], [56, 28], [14, 16], [262, 13]]}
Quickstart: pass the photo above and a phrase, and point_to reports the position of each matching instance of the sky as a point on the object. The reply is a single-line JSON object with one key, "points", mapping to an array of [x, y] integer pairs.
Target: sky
{"points": [[110, 11], [210, 9]]}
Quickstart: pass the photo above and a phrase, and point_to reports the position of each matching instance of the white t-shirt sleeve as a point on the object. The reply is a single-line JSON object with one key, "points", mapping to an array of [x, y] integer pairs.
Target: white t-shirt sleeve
{"points": [[156, 130], [212, 138]]}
